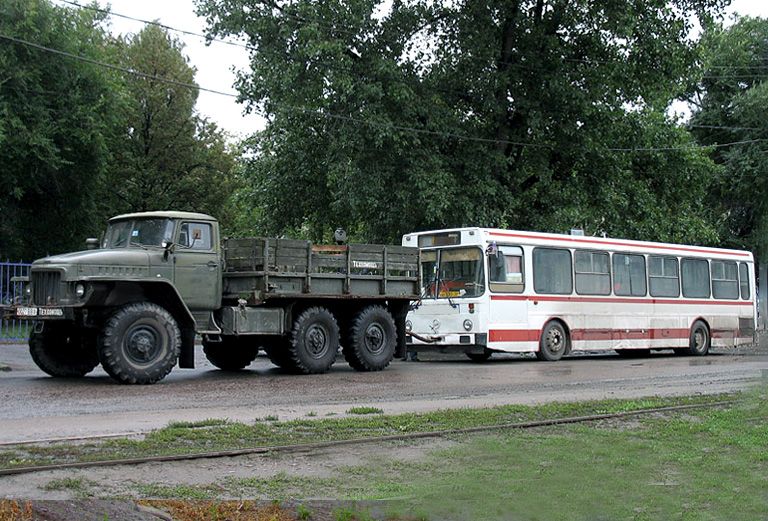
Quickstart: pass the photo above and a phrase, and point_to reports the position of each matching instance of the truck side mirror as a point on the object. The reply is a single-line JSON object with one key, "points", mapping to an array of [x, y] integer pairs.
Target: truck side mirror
{"points": [[91, 244]]}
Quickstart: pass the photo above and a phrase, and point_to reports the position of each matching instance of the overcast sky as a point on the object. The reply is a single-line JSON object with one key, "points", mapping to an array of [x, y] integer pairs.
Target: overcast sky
{"points": [[215, 63]]}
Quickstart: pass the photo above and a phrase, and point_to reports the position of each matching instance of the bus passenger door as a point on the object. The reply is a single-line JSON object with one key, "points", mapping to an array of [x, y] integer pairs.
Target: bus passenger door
{"points": [[508, 328]]}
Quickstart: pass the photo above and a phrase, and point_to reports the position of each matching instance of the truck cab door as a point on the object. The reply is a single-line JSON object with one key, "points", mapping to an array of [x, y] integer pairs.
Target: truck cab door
{"points": [[197, 265]]}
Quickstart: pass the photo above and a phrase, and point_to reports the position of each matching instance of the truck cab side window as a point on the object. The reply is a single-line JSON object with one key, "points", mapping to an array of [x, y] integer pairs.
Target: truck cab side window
{"points": [[195, 236]]}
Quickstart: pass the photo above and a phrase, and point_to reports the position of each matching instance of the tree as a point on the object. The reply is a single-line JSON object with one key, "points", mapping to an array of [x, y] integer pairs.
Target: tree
{"points": [[729, 113], [165, 156], [533, 114], [53, 113]]}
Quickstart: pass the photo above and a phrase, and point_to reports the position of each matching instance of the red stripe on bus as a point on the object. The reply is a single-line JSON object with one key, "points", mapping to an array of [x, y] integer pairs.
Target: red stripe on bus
{"points": [[577, 239], [532, 335], [619, 300], [514, 335]]}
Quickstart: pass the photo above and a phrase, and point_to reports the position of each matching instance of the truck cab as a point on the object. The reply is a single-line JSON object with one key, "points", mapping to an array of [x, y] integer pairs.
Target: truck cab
{"points": [[156, 275]]}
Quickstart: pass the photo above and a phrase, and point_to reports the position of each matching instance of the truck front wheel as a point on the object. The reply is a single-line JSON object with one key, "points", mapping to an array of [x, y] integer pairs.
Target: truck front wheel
{"points": [[314, 341], [62, 351], [370, 345], [231, 353], [140, 344]]}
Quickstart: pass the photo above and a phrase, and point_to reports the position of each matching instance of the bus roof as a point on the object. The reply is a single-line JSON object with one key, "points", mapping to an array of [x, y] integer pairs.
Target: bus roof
{"points": [[482, 236]]}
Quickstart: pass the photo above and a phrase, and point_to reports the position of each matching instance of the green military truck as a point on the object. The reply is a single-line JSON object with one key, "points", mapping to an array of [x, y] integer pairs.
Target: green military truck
{"points": [[136, 301]]}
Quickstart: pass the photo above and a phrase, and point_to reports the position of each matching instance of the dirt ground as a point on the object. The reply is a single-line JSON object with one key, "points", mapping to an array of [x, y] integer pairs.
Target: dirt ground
{"points": [[62, 504]]}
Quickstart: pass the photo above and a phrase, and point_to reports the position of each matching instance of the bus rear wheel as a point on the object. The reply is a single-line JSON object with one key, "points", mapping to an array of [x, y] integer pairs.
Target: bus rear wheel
{"points": [[699, 340], [553, 343]]}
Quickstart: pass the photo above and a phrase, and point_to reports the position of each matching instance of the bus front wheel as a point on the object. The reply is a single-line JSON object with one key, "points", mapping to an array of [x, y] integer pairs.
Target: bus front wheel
{"points": [[553, 343]]}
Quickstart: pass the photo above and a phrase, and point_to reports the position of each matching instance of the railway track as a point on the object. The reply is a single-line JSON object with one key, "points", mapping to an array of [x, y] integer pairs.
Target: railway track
{"points": [[351, 441]]}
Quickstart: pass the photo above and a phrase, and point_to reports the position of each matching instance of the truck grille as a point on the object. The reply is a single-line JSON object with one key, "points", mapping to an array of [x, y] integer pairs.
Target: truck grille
{"points": [[46, 287]]}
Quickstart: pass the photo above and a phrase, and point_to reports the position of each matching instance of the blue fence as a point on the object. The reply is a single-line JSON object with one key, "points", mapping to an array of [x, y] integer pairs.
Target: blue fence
{"points": [[12, 330]]}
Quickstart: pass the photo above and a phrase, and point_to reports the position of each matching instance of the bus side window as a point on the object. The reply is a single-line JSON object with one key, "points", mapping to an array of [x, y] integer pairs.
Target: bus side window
{"points": [[629, 275], [725, 280], [663, 277], [505, 268], [593, 275], [744, 281], [695, 278], [552, 271]]}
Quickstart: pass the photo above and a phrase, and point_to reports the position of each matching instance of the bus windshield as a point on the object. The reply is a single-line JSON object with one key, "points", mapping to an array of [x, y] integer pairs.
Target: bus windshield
{"points": [[139, 232], [453, 273]]}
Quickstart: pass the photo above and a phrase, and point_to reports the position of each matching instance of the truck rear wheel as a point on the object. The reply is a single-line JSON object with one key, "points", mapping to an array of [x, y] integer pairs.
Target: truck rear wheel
{"points": [[314, 341], [232, 353], [62, 351], [370, 345], [140, 343], [278, 350]]}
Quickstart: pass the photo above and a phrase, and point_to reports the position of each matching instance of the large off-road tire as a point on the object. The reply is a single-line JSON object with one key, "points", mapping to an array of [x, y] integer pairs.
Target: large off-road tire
{"points": [[63, 351], [231, 353], [278, 349], [553, 343], [314, 341], [370, 344], [140, 343]]}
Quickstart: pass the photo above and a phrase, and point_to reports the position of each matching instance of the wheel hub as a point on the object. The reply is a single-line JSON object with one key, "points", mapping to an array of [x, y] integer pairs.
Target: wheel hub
{"points": [[374, 339], [142, 344], [317, 341], [555, 341]]}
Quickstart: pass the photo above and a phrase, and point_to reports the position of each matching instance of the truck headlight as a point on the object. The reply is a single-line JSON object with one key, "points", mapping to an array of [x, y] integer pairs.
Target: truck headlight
{"points": [[408, 326], [80, 291], [468, 325]]}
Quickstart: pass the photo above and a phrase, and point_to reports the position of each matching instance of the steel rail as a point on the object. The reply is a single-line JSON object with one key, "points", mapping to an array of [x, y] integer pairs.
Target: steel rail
{"points": [[353, 441]]}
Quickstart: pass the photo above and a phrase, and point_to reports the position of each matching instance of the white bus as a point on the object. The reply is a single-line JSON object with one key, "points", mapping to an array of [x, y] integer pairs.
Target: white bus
{"points": [[489, 290]]}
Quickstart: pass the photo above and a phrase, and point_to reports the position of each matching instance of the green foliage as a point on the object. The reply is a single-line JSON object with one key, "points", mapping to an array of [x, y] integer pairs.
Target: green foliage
{"points": [[432, 114], [730, 112], [80, 142], [54, 112], [165, 156]]}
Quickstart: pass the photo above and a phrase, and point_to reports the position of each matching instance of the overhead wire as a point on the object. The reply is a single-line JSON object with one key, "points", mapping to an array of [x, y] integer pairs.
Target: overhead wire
{"points": [[324, 114]]}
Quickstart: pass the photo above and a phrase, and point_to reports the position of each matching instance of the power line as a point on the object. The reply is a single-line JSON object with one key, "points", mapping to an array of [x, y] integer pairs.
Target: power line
{"points": [[116, 67], [351, 119]]}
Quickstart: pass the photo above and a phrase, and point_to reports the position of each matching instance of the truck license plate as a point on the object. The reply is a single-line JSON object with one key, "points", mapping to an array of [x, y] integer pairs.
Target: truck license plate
{"points": [[39, 312]]}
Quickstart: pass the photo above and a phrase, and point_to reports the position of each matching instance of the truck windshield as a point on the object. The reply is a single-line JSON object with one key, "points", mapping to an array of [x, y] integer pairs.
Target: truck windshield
{"points": [[139, 232], [452, 273]]}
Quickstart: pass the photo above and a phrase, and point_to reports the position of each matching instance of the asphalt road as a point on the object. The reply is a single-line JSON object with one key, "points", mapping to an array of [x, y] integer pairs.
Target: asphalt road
{"points": [[36, 406]]}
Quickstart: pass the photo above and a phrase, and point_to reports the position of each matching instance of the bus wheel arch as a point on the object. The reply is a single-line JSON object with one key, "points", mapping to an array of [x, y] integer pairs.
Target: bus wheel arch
{"points": [[555, 341], [699, 338]]}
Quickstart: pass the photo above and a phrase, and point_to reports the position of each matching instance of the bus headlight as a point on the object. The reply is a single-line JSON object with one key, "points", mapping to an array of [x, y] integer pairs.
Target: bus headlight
{"points": [[408, 326], [468, 325], [80, 291]]}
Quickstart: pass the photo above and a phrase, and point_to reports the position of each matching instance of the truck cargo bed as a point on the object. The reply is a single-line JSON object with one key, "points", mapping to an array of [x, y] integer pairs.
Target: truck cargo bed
{"points": [[257, 269]]}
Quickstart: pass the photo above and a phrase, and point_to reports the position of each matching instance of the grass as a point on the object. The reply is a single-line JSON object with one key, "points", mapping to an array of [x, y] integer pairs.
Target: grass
{"points": [[699, 464], [216, 435], [365, 410]]}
